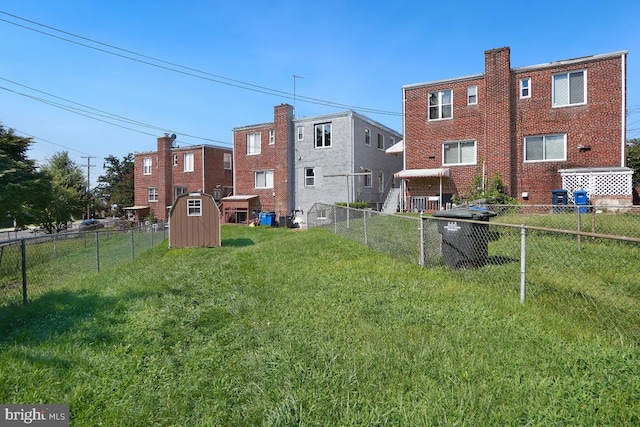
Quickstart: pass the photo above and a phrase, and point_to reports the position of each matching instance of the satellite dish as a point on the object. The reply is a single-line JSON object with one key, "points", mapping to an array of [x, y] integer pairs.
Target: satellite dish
{"points": [[173, 136]]}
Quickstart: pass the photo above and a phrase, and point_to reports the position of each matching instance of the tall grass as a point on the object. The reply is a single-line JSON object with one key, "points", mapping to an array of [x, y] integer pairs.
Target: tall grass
{"points": [[289, 327]]}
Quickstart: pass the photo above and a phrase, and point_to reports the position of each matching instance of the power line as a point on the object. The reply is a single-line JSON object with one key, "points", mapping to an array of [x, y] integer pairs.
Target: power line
{"points": [[190, 71]]}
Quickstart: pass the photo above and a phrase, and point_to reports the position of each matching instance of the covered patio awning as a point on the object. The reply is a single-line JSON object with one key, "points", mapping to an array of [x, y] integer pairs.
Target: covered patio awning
{"points": [[397, 148], [423, 173]]}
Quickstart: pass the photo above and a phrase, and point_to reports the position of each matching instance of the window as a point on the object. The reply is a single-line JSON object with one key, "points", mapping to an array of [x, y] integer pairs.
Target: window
{"points": [[472, 95], [253, 143], [380, 182], [309, 177], [323, 135], [367, 136], [180, 190], [441, 105], [545, 147], [194, 207], [392, 141], [380, 141], [152, 194], [272, 137], [459, 153], [569, 89], [300, 132], [175, 160], [188, 162], [525, 88], [264, 179], [146, 166], [367, 178], [226, 161]]}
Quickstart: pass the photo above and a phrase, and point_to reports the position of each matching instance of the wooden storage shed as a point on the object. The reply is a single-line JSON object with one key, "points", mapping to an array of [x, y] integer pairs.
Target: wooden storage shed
{"points": [[194, 221]]}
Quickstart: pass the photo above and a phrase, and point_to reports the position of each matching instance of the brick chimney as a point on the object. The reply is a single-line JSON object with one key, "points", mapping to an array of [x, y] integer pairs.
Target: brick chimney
{"points": [[498, 117], [165, 176]]}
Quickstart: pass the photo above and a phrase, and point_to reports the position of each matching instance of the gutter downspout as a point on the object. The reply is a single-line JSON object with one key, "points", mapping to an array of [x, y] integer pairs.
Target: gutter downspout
{"points": [[403, 182], [623, 133]]}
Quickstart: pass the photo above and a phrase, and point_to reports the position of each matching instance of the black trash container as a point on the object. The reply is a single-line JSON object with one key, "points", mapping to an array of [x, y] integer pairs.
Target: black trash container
{"points": [[559, 199], [465, 244]]}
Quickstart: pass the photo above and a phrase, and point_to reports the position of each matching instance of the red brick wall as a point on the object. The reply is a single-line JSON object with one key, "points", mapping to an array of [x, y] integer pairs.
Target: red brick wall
{"points": [[500, 121], [272, 157]]}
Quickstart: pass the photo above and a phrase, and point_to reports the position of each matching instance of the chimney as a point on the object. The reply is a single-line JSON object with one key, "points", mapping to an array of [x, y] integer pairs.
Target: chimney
{"points": [[165, 176]]}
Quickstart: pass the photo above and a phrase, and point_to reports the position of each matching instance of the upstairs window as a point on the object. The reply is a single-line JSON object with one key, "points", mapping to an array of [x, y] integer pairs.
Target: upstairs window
{"points": [[472, 95], [300, 133], [309, 177], [226, 161], [175, 160], [188, 162], [441, 105], [569, 89], [459, 153], [525, 88], [545, 148], [146, 166], [264, 179], [323, 135], [253, 143], [194, 207], [272, 137], [380, 141], [367, 136]]}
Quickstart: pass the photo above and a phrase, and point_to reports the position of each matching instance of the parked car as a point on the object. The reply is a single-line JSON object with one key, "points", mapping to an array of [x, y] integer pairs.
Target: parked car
{"points": [[91, 224]]}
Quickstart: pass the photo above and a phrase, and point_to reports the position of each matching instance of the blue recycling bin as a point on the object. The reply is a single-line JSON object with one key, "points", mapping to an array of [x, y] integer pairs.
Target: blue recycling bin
{"points": [[267, 218], [559, 199], [580, 200]]}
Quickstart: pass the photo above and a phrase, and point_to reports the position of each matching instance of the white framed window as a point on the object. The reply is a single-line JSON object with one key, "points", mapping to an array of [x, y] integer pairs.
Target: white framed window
{"points": [[380, 141], [146, 166], [175, 160], [441, 105], [187, 162], [272, 137], [227, 161], [459, 153], [323, 135], [380, 182], [253, 143], [309, 177], [472, 95], [194, 207], [569, 88], [264, 179], [540, 148], [300, 133], [367, 178], [152, 194], [367, 136], [525, 87]]}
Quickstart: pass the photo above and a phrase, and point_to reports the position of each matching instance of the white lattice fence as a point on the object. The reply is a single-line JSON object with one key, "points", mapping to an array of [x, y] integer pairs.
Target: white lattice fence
{"points": [[598, 182]]}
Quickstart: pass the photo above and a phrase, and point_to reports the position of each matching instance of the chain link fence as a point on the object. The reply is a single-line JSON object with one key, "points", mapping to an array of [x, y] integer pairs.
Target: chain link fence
{"points": [[32, 266], [587, 259]]}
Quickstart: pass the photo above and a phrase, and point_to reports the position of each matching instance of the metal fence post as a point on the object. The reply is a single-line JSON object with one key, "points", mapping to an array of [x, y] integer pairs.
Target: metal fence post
{"points": [[335, 219], [421, 260], [364, 223], [523, 261], [97, 252], [23, 250]]}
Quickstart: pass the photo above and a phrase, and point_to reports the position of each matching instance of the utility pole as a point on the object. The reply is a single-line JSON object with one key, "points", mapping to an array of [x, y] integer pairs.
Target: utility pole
{"points": [[89, 166], [294, 93]]}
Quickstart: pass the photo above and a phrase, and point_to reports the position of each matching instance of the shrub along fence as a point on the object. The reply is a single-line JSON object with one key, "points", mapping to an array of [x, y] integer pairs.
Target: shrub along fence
{"points": [[537, 254], [33, 265]]}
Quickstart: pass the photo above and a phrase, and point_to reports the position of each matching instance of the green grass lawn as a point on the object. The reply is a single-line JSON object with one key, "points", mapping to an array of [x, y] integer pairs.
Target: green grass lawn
{"points": [[291, 327]]}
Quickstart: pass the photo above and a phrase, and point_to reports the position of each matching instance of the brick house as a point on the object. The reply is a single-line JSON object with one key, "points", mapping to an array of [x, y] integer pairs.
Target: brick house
{"points": [[293, 163], [541, 127], [161, 176]]}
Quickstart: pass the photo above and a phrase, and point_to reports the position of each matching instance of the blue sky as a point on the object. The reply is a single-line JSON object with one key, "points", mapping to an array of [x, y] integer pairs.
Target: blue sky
{"points": [[357, 54]]}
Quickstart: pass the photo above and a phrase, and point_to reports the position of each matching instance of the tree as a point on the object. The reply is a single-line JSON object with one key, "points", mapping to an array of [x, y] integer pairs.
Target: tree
{"points": [[633, 157], [22, 188], [116, 186], [68, 193]]}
